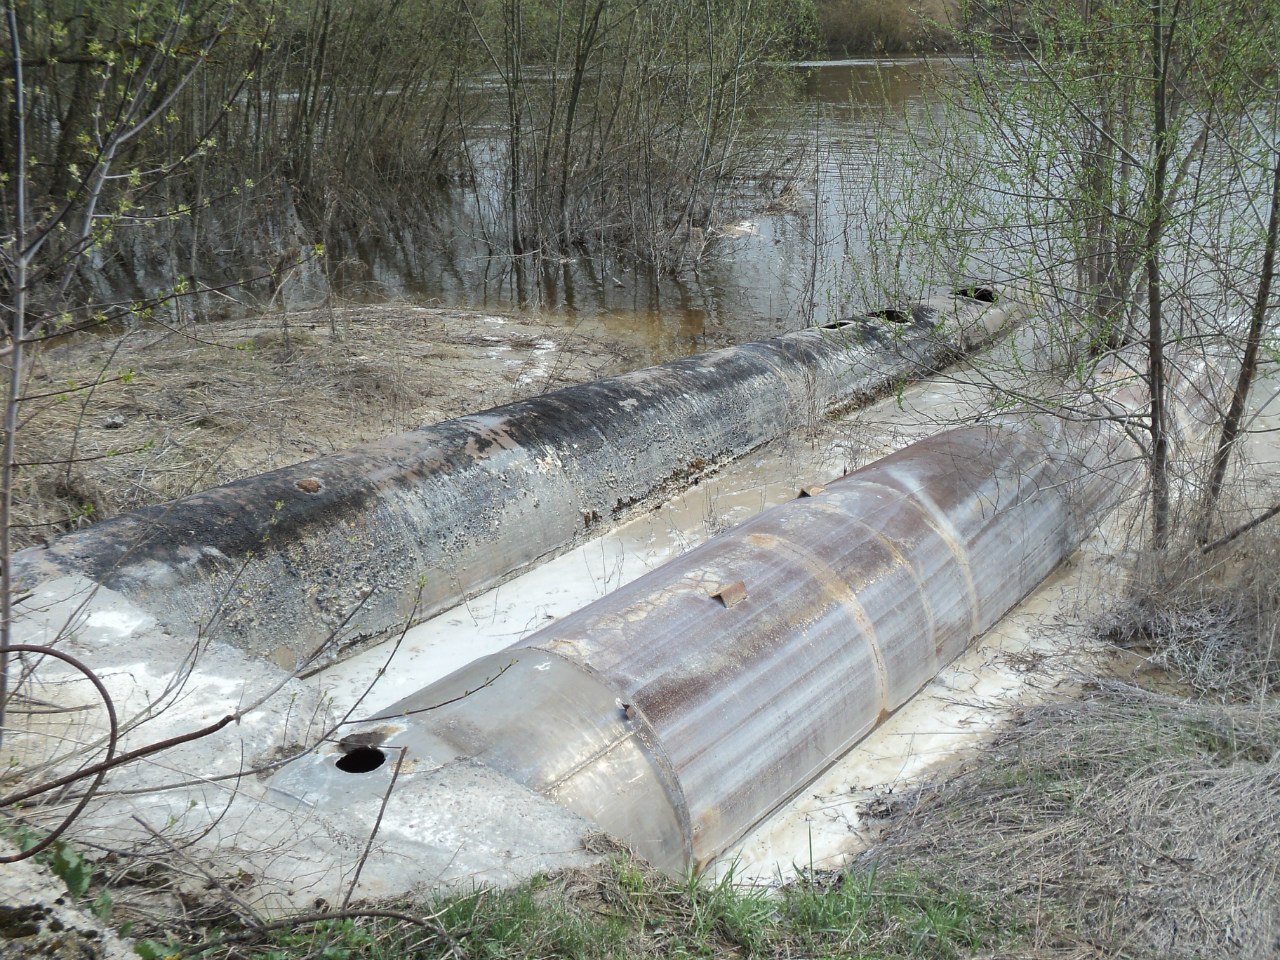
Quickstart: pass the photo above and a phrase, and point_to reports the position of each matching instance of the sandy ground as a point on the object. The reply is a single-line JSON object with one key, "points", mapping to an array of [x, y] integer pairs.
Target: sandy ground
{"points": [[121, 420]]}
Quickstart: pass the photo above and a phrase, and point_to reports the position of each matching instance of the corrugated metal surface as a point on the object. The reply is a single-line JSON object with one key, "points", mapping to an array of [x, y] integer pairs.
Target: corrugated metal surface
{"points": [[853, 599]]}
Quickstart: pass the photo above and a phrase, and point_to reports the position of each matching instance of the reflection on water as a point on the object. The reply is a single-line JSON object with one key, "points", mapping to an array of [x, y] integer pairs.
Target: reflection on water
{"points": [[790, 257], [863, 84]]}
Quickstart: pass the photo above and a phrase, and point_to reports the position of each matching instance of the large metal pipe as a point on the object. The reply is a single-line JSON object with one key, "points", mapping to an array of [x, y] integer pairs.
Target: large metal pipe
{"points": [[679, 710], [358, 542]]}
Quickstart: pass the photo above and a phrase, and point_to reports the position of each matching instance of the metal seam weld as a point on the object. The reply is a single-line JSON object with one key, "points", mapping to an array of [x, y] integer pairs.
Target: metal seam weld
{"points": [[844, 595], [946, 533]]}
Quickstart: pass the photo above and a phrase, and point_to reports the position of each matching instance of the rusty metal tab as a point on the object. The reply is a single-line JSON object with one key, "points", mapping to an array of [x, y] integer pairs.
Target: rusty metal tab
{"points": [[732, 594]]}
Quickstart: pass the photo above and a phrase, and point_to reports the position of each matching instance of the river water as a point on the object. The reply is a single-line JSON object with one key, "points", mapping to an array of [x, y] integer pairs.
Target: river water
{"points": [[795, 256]]}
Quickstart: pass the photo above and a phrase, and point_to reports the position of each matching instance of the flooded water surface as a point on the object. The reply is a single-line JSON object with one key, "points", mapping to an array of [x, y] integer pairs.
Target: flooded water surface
{"points": [[787, 252]]}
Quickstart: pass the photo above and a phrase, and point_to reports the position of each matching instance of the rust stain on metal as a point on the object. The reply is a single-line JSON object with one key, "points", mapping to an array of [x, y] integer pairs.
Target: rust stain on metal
{"points": [[867, 626], [922, 593], [939, 526], [366, 738]]}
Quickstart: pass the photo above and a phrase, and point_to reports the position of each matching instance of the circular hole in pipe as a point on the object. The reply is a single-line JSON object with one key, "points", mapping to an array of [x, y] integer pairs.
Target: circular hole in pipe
{"points": [[361, 760]]}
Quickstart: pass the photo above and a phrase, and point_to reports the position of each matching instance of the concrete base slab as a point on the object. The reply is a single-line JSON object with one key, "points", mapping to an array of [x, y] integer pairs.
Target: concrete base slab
{"points": [[205, 806]]}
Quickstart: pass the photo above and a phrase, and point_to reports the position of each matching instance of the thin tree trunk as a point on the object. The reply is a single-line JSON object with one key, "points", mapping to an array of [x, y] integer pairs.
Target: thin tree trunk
{"points": [[17, 333], [584, 47], [1249, 362], [1156, 374], [514, 54]]}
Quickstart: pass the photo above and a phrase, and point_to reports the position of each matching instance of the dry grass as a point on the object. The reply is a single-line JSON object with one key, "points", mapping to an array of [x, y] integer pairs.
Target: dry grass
{"points": [[1129, 823], [1213, 622], [1132, 822], [141, 417]]}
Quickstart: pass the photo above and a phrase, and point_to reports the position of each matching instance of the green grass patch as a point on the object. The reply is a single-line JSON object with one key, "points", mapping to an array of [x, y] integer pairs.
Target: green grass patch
{"points": [[898, 915], [623, 909]]}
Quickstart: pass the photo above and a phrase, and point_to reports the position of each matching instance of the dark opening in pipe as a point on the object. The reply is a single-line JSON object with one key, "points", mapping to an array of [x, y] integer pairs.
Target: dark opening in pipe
{"points": [[977, 292], [892, 314], [361, 760]]}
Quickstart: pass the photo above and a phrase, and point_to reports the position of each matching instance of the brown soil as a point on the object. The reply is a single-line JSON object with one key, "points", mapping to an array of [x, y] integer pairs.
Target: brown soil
{"points": [[119, 421]]}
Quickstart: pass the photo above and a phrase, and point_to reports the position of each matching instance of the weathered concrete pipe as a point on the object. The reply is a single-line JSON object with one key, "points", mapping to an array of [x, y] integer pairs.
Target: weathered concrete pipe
{"points": [[357, 542], [679, 710]]}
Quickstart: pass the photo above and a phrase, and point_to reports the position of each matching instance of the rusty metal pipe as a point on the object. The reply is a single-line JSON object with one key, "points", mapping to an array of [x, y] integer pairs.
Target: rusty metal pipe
{"points": [[679, 710], [362, 540]]}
